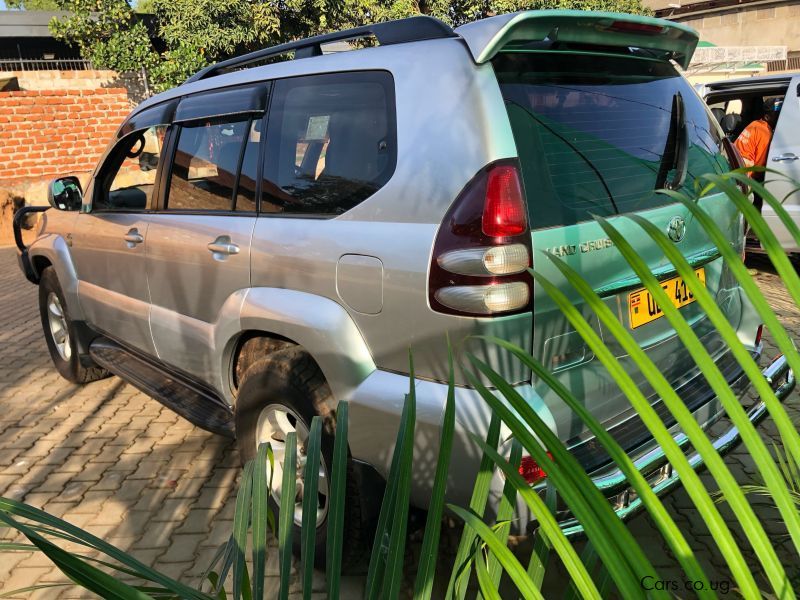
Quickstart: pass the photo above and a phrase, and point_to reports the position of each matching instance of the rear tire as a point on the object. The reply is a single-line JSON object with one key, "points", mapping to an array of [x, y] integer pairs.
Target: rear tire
{"points": [[290, 384], [61, 334]]}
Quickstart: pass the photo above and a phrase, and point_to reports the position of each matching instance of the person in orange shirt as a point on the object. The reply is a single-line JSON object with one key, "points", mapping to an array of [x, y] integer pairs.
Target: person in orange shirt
{"points": [[753, 142]]}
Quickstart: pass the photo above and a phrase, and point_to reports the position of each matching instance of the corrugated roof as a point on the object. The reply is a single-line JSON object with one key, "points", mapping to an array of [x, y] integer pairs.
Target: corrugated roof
{"points": [[26, 23]]}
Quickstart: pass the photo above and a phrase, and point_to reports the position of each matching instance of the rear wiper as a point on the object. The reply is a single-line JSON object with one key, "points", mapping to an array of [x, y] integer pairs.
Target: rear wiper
{"points": [[574, 148], [675, 156]]}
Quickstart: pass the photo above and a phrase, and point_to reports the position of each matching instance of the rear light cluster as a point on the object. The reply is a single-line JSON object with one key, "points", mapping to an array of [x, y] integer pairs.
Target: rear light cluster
{"points": [[530, 470], [759, 334], [640, 28], [504, 212], [483, 248]]}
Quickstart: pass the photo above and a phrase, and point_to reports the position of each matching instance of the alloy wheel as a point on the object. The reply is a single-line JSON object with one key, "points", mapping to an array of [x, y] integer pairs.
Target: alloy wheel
{"points": [[58, 326], [274, 423]]}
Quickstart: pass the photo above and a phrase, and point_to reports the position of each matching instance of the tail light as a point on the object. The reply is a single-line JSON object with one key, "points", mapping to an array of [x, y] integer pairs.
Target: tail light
{"points": [[483, 248], [640, 28], [759, 333], [504, 212], [530, 470]]}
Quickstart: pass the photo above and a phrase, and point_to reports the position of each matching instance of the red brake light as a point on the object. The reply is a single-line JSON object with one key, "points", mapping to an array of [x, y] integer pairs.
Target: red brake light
{"points": [[530, 469], [504, 213], [628, 27], [759, 333]]}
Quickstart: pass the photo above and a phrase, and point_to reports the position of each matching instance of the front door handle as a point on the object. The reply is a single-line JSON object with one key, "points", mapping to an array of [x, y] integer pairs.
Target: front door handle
{"points": [[223, 246], [133, 238], [785, 157]]}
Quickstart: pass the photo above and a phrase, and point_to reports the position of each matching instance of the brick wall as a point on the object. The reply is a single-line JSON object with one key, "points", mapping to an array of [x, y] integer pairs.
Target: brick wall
{"points": [[87, 79], [48, 132], [45, 133]]}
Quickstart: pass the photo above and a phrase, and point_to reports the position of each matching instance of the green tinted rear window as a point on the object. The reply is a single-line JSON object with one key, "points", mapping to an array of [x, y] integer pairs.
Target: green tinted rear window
{"points": [[593, 132]]}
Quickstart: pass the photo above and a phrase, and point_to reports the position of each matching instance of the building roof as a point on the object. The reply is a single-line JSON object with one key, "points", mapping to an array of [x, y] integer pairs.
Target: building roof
{"points": [[26, 23], [676, 9], [659, 4]]}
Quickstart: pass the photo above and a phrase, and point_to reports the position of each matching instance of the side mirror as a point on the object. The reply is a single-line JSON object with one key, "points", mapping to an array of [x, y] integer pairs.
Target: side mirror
{"points": [[65, 193]]}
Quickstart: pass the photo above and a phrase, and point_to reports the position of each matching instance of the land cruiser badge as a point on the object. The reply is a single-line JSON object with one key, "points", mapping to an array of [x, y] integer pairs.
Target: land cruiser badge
{"points": [[583, 247]]}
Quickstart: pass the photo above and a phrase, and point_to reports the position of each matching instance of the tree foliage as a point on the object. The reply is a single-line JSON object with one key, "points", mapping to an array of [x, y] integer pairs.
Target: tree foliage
{"points": [[196, 33], [107, 34]]}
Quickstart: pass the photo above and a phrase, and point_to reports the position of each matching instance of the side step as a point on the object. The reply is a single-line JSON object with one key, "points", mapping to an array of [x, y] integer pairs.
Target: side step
{"points": [[191, 400]]}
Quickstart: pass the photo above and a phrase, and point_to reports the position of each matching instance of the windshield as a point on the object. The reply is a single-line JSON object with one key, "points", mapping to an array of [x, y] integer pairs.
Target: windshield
{"points": [[596, 133]]}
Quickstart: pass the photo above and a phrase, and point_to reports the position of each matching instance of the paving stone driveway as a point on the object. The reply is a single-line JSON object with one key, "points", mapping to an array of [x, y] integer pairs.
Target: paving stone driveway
{"points": [[108, 458], [103, 456]]}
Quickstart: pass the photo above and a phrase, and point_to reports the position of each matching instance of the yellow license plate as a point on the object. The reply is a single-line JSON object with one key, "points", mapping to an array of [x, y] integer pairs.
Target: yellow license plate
{"points": [[643, 309]]}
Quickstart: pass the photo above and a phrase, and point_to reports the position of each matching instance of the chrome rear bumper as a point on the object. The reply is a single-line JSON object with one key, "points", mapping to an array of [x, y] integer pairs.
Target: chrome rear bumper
{"points": [[660, 475]]}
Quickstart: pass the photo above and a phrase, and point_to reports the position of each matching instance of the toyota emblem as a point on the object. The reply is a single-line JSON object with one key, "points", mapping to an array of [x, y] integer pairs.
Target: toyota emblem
{"points": [[676, 229]]}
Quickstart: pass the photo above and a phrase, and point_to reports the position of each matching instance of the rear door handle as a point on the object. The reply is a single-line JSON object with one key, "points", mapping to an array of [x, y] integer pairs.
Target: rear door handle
{"points": [[785, 157], [223, 246], [133, 238]]}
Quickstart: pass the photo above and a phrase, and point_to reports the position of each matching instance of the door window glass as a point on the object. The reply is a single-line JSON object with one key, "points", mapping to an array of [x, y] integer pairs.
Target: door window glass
{"points": [[128, 178], [734, 106], [331, 142], [205, 165]]}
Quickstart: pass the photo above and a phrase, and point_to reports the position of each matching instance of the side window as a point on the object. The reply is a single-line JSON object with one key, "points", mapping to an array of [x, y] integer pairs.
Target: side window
{"points": [[128, 177], [206, 163], [331, 142], [734, 106]]}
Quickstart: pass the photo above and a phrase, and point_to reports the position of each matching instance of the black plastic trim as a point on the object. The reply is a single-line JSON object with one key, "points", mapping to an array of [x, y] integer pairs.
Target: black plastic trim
{"points": [[412, 29], [223, 102], [371, 488], [191, 399], [84, 336], [159, 114], [25, 263]]}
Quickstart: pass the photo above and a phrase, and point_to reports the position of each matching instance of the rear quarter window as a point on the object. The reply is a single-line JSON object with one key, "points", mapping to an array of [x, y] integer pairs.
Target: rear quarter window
{"points": [[331, 142], [593, 132]]}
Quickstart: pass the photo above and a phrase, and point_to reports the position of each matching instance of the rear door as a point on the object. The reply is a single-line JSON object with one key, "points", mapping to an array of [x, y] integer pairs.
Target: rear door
{"points": [[598, 133], [784, 157], [198, 251]]}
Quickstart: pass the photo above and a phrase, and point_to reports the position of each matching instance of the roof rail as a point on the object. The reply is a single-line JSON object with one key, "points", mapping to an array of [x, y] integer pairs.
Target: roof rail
{"points": [[411, 29]]}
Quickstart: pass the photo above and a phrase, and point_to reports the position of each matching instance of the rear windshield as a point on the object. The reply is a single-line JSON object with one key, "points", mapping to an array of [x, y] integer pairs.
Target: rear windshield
{"points": [[597, 134]]}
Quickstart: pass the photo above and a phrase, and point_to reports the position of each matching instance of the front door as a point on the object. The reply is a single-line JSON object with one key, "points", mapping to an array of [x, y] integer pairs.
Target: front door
{"points": [[109, 243], [198, 251], [784, 157]]}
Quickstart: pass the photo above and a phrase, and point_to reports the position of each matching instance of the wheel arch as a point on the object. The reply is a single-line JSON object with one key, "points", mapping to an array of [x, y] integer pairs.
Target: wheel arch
{"points": [[250, 346], [52, 251], [40, 263], [273, 318]]}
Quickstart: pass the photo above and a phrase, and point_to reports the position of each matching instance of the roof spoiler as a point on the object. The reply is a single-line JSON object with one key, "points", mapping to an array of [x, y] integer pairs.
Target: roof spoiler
{"points": [[487, 37]]}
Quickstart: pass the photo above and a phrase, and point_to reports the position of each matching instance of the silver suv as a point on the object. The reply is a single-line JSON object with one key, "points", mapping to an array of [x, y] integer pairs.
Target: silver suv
{"points": [[273, 236]]}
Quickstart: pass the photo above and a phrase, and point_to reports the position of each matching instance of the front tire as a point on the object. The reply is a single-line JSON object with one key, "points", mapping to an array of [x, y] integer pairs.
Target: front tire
{"points": [[60, 332], [282, 393]]}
